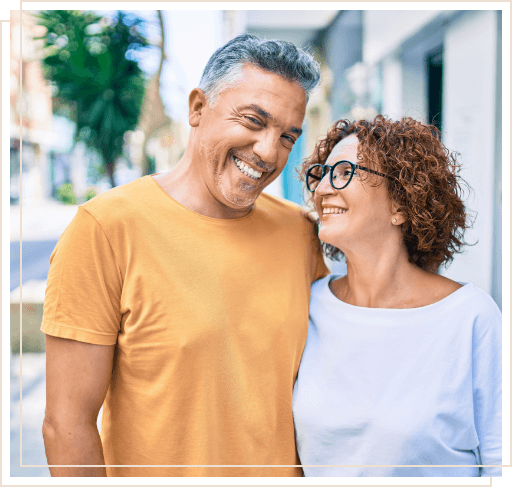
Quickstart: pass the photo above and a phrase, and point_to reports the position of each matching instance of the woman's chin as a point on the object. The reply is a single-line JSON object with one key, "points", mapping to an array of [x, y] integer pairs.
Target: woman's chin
{"points": [[327, 236]]}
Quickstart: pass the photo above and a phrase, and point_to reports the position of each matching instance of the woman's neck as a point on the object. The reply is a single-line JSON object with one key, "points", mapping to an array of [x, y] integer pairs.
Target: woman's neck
{"points": [[380, 277]]}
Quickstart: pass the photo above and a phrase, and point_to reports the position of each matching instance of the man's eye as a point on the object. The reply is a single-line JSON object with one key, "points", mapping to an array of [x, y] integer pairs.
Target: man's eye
{"points": [[253, 120], [289, 138]]}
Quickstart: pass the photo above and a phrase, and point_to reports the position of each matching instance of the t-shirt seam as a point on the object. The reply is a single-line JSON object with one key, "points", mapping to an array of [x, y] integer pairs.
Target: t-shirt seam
{"points": [[78, 329], [57, 301], [439, 307], [110, 245]]}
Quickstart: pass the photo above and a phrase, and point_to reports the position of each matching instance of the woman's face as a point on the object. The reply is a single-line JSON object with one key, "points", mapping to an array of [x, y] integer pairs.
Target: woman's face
{"points": [[357, 215]]}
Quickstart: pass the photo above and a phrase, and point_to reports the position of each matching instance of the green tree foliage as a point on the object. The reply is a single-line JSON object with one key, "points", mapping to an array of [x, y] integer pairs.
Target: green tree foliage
{"points": [[93, 66], [66, 194]]}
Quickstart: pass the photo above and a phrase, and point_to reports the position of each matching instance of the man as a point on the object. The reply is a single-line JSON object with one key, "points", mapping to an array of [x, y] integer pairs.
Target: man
{"points": [[180, 301]]}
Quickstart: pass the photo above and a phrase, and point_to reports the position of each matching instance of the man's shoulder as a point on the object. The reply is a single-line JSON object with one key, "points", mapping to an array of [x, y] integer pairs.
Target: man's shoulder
{"points": [[124, 199], [278, 206]]}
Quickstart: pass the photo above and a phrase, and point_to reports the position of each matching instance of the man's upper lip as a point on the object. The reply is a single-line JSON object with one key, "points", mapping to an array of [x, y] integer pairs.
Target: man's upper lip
{"points": [[254, 166]]}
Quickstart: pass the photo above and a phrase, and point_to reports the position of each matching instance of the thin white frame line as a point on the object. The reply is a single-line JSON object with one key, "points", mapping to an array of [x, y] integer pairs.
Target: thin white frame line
{"points": [[21, 323], [21, 230], [269, 466]]}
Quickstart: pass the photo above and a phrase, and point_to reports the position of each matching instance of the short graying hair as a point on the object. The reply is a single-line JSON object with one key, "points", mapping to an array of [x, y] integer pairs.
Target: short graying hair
{"points": [[278, 57]]}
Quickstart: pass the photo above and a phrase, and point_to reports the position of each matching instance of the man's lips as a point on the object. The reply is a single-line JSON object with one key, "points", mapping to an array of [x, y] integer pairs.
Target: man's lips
{"points": [[253, 161], [246, 169]]}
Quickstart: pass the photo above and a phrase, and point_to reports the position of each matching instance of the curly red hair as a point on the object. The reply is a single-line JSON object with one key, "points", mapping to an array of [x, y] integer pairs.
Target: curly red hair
{"points": [[425, 185]]}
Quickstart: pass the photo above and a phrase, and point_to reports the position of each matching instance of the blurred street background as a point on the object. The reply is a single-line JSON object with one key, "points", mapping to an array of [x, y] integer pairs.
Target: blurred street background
{"points": [[105, 101]]}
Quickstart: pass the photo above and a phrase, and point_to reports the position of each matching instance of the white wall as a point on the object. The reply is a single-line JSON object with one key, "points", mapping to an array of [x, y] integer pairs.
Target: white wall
{"points": [[392, 87], [404, 86], [414, 88], [385, 30], [289, 19], [469, 61]]}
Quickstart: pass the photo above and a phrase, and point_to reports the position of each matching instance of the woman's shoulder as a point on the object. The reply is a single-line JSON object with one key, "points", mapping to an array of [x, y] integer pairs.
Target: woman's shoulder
{"points": [[465, 294], [437, 287]]}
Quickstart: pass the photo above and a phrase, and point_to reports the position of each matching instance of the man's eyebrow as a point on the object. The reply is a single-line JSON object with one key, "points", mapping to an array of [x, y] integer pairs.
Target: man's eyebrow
{"points": [[267, 115]]}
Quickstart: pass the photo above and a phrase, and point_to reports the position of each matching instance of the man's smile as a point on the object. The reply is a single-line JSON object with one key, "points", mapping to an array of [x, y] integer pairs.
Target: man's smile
{"points": [[246, 169]]}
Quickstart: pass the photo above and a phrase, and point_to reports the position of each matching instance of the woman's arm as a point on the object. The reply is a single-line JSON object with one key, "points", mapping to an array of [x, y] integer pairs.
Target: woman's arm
{"points": [[487, 403]]}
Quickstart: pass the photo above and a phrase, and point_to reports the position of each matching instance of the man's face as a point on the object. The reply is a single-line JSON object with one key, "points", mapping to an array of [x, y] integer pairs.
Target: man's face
{"points": [[244, 140]]}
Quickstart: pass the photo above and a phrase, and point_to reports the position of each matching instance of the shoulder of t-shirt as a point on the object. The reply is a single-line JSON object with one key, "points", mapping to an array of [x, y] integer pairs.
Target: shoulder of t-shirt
{"points": [[275, 203], [279, 207], [119, 201], [483, 307], [318, 288]]}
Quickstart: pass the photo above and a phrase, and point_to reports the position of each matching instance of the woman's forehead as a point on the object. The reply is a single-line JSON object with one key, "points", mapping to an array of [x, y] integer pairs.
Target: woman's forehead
{"points": [[347, 148]]}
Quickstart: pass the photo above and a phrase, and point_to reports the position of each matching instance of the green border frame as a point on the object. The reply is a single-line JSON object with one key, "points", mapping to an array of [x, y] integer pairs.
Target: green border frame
{"points": [[497, 482]]}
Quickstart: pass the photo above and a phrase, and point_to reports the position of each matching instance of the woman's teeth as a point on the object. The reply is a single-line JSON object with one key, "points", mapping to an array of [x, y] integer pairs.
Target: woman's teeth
{"points": [[248, 171], [333, 210]]}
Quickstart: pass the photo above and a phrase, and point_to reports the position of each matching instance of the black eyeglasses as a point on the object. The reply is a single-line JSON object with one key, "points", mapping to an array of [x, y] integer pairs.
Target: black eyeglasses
{"points": [[340, 174]]}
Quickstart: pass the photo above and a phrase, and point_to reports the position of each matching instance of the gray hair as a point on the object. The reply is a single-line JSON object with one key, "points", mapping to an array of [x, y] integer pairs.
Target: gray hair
{"points": [[279, 57]]}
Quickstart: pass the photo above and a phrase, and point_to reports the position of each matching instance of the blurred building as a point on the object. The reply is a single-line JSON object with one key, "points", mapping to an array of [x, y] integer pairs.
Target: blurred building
{"points": [[445, 67], [30, 113], [300, 27], [158, 141], [439, 66]]}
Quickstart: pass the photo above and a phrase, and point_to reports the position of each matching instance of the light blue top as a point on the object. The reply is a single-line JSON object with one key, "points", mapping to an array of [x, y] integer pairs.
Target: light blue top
{"points": [[419, 386]]}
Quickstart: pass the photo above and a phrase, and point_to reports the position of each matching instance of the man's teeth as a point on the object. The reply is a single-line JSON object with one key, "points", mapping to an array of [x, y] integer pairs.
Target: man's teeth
{"points": [[248, 171], [334, 210]]}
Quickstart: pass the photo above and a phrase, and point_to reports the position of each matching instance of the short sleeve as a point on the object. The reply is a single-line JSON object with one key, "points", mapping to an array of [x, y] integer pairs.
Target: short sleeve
{"points": [[487, 400], [82, 300]]}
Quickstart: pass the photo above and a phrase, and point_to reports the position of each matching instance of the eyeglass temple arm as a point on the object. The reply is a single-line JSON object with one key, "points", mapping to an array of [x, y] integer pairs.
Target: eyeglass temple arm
{"points": [[373, 172]]}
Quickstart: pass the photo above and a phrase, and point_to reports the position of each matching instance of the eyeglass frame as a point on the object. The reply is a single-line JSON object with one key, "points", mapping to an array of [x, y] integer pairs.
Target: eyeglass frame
{"points": [[326, 168]]}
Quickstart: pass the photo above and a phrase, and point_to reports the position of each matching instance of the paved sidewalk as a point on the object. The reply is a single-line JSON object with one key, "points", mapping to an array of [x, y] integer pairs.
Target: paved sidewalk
{"points": [[30, 415]]}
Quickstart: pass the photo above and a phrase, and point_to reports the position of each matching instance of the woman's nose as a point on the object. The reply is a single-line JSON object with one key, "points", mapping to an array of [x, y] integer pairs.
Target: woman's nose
{"points": [[325, 186]]}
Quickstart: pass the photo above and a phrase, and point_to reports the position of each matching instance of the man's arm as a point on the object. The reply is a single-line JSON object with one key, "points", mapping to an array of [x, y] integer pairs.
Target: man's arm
{"points": [[77, 379]]}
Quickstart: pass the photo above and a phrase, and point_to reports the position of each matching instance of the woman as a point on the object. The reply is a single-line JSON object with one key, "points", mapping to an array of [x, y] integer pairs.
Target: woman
{"points": [[402, 366]]}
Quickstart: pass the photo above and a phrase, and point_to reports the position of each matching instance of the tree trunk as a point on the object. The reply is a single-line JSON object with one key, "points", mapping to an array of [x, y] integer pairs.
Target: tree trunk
{"points": [[110, 171]]}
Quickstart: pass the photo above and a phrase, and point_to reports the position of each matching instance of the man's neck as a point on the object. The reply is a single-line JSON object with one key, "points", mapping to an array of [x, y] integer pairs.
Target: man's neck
{"points": [[188, 189]]}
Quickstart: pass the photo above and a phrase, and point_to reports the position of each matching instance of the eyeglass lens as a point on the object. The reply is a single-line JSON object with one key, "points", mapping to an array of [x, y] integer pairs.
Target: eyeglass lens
{"points": [[341, 175]]}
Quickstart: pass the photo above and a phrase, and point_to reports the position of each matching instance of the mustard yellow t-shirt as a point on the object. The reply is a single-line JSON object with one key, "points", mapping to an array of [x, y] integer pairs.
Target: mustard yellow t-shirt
{"points": [[209, 318]]}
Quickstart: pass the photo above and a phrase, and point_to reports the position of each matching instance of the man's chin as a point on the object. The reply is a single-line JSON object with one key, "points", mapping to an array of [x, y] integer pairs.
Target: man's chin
{"points": [[240, 200]]}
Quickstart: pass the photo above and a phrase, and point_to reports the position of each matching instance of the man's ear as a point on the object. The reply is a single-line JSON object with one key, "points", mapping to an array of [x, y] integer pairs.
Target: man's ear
{"points": [[196, 104]]}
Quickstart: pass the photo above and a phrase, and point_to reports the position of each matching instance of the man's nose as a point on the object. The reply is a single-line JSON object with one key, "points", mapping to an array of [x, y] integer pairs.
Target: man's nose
{"points": [[267, 147]]}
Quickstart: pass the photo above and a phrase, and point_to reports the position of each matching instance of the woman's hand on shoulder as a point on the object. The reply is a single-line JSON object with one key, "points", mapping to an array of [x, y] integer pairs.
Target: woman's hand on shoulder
{"points": [[309, 213]]}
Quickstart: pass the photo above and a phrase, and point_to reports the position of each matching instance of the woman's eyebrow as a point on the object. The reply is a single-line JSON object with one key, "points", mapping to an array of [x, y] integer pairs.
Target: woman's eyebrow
{"points": [[268, 116]]}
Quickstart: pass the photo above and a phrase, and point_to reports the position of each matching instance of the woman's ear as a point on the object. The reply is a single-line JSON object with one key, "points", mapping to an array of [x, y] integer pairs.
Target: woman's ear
{"points": [[397, 217], [196, 105]]}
